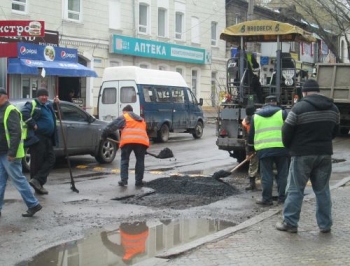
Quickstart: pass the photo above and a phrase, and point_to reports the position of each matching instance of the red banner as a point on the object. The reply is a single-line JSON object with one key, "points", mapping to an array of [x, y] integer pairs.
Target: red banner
{"points": [[16, 28]]}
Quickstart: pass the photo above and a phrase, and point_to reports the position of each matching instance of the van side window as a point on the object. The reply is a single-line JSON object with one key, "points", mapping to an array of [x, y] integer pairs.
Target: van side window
{"points": [[191, 97], [127, 95], [109, 96], [163, 94], [178, 95], [149, 94]]}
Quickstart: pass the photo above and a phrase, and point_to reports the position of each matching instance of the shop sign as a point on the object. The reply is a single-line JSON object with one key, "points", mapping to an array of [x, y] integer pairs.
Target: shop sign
{"points": [[160, 50], [50, 38], [46, 53], [16, 28]]}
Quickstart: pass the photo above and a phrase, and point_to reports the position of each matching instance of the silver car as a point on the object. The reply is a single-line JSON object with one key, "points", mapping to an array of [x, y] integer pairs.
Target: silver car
{"points": [[82, 132]]}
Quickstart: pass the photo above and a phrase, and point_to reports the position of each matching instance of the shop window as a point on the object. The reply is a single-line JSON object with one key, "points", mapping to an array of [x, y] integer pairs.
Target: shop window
{"points": [[194, 81], [127, 95], [19, 6], [180, 70]]}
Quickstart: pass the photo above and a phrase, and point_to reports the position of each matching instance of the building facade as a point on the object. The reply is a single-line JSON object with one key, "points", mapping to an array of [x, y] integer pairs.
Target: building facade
{"points": [[175, 35]]}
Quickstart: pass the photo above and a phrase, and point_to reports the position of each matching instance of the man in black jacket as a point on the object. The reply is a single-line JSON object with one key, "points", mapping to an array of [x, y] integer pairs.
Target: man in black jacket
{"points": [[307, 133], [40, 117]]}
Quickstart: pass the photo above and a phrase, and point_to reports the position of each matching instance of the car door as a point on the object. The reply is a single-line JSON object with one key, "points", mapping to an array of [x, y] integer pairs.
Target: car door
{"points": [[80, 135], [180, 109]]}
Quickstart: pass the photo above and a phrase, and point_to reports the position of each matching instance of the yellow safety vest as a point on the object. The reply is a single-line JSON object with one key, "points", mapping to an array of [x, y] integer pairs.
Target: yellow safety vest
{"points": [[20, 151], [268, 131]]}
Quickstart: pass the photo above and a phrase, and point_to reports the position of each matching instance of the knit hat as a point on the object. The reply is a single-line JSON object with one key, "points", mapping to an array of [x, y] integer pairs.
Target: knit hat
{"points": [[250, 110], [42, 92], [128, 108], [310, 85]]}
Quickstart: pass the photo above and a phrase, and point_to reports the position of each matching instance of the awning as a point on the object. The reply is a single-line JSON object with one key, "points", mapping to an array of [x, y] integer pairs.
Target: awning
{"points": [[52, 68]]}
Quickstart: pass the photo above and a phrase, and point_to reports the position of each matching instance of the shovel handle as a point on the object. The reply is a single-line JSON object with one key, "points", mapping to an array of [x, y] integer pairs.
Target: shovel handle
{"points": [[113, 140], [241, 163]]}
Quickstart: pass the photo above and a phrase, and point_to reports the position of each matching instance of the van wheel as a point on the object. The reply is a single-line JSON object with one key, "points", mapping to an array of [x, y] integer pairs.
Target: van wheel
{"points": [[198, 131], [26, 161], [106, 152], [163, 133]]}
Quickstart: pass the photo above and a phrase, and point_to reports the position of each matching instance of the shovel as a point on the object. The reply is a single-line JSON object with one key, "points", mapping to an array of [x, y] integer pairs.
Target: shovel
{"points": [[164, 154], [222, 173], [65, 149]]}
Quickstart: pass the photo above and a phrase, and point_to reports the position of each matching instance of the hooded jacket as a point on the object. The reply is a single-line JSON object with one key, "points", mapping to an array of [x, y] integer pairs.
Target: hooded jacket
{"points": [[310, 126], [266, 111]]}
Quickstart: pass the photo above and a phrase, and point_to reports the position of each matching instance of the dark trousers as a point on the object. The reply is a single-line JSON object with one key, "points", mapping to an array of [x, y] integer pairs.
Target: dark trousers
{"points": [[42, 159], [139, 151]]}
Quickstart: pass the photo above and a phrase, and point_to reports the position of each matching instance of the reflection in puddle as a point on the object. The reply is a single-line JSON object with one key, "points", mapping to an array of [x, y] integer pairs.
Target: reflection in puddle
{"points": [[127, 243]]}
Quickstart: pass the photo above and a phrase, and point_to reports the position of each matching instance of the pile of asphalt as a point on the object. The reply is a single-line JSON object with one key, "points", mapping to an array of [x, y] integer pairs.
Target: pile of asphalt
{"points": [[189, 185]]}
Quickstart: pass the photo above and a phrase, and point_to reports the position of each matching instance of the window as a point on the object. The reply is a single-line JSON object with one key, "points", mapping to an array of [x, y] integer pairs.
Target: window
{"points": [[179, 70], [162, 67], [162, 22], [163, 95], [214, 26], [109, 96], [144, 66], [73, 10], [114, 63], [194, 81], [127, 95], [114, 14], [143, 19], [178, 95], [195, 30], [179, 22], [149, 94], [19, 6]]}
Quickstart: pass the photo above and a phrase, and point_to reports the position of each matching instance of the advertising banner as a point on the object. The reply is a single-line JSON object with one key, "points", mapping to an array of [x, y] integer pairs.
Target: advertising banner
{"points": [[16, 28]]}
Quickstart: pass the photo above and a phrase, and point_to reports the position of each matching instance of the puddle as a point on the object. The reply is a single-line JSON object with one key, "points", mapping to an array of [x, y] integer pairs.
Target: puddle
{"points": [[127, 243]]}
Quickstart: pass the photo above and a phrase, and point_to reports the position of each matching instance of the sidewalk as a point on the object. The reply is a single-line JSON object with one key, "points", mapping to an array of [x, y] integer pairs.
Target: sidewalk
{"points": [[257, 242]]}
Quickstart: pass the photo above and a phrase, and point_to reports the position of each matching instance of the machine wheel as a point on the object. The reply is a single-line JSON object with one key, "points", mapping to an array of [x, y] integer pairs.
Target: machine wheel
{"points": [[106, 152], [198, 130], [163, 133], [26, 160], [240, 156], [344, 131]]}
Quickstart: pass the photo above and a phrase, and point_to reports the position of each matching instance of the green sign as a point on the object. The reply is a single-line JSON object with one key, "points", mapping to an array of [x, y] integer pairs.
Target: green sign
{"points": [[160, 50]]}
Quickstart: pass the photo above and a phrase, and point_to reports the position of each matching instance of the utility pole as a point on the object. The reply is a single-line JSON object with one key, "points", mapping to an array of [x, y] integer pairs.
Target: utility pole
{"points": [[250, 16]]}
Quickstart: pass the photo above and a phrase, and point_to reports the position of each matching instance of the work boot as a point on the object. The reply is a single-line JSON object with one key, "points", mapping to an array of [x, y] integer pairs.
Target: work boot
{"points": [[252, 185], [31, 211], [37, 187], [123, 183]]}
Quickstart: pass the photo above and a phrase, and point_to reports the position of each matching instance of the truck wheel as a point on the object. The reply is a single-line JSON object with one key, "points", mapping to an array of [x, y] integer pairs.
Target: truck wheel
{"points": [[163, 133], [106, 152], [344, 131], [198, 131]]}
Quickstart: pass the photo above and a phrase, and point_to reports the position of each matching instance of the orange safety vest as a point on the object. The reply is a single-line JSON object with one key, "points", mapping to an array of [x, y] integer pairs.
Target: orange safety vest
{"points": [[134, 132], [246, 125], [133, 244]]}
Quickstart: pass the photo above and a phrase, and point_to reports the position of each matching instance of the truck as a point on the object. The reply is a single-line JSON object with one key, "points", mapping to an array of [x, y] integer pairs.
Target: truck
{"points": [[334, 82], [242, 89]]}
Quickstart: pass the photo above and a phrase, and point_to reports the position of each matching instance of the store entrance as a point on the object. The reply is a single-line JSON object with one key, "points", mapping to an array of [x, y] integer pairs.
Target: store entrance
{"points": [[69, 87]]}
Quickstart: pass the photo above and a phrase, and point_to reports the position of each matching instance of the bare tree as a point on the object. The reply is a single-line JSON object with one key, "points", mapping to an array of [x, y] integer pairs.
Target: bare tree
{"points": [[329, 19]]}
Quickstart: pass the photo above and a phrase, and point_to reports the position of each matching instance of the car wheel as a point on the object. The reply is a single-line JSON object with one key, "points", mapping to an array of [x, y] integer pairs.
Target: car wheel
{"points": [[163, 133], [26, 160], [198, 130], [106, 151]]}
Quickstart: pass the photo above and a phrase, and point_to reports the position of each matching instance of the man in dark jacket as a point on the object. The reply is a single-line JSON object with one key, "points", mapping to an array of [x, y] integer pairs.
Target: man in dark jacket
{"points": [[11, 154], [265, 137], [40, 117], [307, 133]]}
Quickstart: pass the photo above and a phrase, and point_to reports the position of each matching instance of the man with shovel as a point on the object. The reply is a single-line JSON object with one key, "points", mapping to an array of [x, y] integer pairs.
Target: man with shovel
{"points": [[133, 138], [265, 137]]}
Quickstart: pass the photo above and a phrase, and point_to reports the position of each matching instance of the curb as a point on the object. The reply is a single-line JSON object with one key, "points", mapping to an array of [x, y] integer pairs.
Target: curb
{"points": [[231, 230]]}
